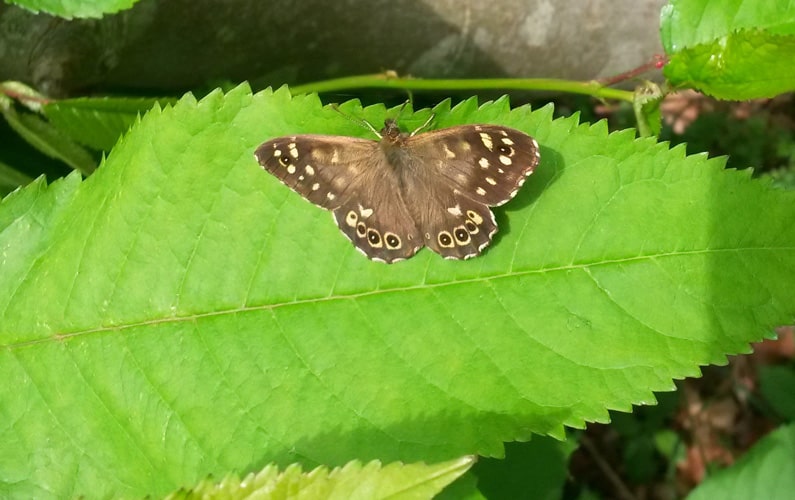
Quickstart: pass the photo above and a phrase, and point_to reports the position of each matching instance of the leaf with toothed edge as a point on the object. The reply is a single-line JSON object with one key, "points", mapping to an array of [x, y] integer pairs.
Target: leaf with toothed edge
{"points": [[181, 313]]}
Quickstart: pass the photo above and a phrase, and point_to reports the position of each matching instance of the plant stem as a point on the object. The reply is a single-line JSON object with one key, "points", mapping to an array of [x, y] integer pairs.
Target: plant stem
{"points": [[388, 80]]}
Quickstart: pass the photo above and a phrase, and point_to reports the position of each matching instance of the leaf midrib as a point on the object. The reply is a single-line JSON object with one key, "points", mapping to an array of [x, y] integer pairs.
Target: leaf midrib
{"points": [[60, 337]]}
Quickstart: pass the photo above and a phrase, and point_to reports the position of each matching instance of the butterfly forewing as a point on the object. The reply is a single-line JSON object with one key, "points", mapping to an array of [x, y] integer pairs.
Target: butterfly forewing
{"points": [[321, 168], [487, 163]]}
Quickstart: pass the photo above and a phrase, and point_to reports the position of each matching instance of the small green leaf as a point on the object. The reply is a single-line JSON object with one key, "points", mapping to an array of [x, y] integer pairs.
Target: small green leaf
{"points": [[69, 9], [688, 23], [353, 481], [766, 471], [49, 140], [10, 179], [536, 469], [646, 104], [776, 385], [742, 65], [97, 122]]}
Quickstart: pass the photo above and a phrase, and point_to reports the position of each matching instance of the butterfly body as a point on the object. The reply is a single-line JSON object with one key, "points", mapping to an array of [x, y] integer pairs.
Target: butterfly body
{"points": [[394, 196]]}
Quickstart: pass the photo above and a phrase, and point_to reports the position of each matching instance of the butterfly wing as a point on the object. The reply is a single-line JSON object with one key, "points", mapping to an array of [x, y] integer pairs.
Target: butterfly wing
{"points": [[452, 225], [350, 177], [320, 168], [457, 174], [487, 163]]}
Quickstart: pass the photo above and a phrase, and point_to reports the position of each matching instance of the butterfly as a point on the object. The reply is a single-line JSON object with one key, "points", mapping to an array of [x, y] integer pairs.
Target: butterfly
{"points": [[393, 196]]}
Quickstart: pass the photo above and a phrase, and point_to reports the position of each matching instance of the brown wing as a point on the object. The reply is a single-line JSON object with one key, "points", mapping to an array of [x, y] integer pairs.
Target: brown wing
{"points": [[321, 168], [350, 177], [455, 174], [487, 163]]}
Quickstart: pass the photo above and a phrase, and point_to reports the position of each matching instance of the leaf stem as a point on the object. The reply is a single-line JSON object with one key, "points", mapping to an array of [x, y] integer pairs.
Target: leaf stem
{"points": [[390, 81]]}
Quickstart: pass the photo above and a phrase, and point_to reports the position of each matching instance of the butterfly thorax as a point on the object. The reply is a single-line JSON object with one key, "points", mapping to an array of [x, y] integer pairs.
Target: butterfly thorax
{"points": [[393, 143]]}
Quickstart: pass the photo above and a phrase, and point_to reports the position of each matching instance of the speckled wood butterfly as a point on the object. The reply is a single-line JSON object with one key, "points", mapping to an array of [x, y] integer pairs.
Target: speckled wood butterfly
{"points": [[394, 196]]}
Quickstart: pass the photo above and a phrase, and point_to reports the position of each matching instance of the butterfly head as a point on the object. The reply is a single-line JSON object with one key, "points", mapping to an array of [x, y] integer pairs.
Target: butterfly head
{"points": [[391, 132]]}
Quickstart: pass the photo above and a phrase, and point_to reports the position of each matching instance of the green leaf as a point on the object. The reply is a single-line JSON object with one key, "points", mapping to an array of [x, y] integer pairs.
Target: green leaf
{"points": [[11, 178], [49, 140], [742, 65], [537, 469], [75, 8], [181, 313], [775, 384], [371, 481], [687, 23], [766, 471], [97, 122], [646, 104]]}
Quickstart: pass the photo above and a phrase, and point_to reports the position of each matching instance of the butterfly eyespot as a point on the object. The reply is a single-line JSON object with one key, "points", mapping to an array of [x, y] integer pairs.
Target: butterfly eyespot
{"points": [[474, 217], [351, 219], [361, 229], [505, 150], [374, 238], [285, 160], [392, 241], [471, 227], [445, 239], [461, 235]]}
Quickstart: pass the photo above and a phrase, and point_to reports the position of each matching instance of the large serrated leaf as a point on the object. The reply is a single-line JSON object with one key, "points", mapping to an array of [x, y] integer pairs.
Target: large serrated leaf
{"points": [[182, 313]]}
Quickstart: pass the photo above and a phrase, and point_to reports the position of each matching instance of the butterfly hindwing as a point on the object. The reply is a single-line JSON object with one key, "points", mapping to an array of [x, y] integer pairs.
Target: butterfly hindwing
{"points": [[381, 228], [463, 228]]}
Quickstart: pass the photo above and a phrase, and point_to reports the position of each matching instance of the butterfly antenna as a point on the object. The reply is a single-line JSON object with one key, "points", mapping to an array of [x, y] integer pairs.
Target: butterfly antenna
{"points": [[358, 121], [427, 122]]}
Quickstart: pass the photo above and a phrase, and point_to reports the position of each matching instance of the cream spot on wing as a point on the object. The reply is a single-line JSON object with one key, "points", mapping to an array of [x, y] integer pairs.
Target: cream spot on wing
{"points": [[486, 139], [309, 170], [481, 191], [365, 212], [335, 158], [505, 160], [474, 217], [448, 152], [277, 152], [293, 150], [499, 170], [456, 210], [491, 181], [315, 186], [300, 177], [504, 133], [291, 169], [462, 178], [507, 141], [330, 196], [465, 146], [483, 162]]}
